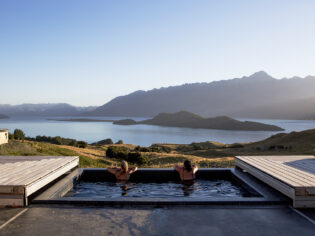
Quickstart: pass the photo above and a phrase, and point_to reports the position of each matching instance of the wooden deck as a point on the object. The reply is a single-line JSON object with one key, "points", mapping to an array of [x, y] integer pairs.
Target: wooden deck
{"points": [[21, 176], [294, 176]]}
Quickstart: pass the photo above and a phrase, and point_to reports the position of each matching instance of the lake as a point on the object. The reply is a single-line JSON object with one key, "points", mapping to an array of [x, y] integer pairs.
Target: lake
{"points": [[143, 135]]}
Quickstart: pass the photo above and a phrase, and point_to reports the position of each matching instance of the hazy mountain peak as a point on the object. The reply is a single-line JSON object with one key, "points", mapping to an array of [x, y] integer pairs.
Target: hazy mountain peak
{"points": [[261, 75]]}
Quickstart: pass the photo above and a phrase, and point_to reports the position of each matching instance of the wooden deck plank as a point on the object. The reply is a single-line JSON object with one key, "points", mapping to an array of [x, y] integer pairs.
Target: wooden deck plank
{"points": [[34, 186], [293, 168], [274, 171], [39, 165], [275, 183], [21, 170], [33, 174], [294, 176], [286, 173], [23, 175], [6, 169]]}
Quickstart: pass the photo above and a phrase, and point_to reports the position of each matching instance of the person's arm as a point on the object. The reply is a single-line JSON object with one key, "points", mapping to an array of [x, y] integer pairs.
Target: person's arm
{"points": [[132, 169], [178, 168], [195, 169], [112, 170]]}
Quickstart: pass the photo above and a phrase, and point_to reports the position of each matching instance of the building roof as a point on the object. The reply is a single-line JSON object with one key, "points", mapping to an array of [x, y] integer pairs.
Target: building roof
{"points": [[4, 130]]}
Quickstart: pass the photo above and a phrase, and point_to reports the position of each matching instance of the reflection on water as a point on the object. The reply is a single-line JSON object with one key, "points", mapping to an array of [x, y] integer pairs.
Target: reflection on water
{"points": [[201, 188], [125, 186], [188, 187], [144, 135]]}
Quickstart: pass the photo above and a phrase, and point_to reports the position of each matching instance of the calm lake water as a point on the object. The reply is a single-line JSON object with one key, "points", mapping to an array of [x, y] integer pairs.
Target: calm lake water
{"points": [[143, 135]]}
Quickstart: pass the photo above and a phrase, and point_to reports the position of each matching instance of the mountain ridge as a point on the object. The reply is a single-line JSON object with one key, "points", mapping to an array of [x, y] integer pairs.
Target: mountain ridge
{"points": [[42, 109], [225, 97]]}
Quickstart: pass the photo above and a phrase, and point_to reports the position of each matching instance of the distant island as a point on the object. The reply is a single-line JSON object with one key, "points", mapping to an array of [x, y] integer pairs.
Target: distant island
{"points": [[3, 116], [186, 119]]}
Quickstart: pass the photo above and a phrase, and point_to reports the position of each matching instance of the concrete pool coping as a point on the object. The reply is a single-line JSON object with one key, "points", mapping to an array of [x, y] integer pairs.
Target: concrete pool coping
{"points": [[55, 194]]}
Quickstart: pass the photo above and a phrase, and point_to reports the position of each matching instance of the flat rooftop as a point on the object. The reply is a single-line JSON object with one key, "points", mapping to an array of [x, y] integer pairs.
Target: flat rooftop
{"points": [[4, 130], [82, 219], [205, 220]]}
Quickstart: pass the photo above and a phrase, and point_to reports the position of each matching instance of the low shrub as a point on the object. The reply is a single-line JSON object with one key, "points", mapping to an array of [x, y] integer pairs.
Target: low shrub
{"points": [[142, 149], [120, 142], [138, 158], [18, 134], [82, 144], [117, 152], [56, 140], [11, 136], [104, 142], [124, 153], [236, 145], [160, 148]]}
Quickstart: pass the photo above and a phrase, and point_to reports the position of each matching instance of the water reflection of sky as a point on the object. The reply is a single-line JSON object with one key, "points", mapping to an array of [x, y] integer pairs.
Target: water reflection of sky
{"points": [[144, 134]]}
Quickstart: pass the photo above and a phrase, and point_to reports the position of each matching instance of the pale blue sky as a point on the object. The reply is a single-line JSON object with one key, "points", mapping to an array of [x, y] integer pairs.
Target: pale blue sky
{"points": [[88, 52]]}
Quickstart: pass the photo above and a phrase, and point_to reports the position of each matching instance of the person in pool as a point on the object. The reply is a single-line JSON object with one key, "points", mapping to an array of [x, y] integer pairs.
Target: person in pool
{"points": [[187, 172], [123, 173]]}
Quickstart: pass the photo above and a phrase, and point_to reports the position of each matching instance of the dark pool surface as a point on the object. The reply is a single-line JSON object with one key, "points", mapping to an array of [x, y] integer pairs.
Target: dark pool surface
{"points": [[201, 188]]}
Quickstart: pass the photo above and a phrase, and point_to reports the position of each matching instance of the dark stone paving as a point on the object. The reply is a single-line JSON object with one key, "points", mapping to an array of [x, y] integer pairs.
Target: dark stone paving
{"points": [[60, 220], [309, 213], [8, 213]]}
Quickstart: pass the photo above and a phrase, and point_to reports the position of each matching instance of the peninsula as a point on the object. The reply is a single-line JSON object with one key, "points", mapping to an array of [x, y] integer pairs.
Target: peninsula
{"points": [[186, 119]]}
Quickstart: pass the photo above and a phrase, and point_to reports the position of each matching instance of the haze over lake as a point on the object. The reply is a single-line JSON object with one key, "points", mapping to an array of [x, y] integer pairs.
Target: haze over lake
{"points": [[143, 135]]}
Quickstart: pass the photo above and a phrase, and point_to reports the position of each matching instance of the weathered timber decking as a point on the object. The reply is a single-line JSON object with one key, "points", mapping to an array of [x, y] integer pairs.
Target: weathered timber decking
{"points": [[294, 176], [21, 176]]}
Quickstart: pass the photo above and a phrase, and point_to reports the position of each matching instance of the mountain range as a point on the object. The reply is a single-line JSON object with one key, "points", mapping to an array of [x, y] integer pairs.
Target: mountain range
{"points": [[255, 96], [49, 109]]}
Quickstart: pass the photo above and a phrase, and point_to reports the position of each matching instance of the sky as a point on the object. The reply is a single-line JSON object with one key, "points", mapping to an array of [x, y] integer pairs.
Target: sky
{"points": [[87, 52]]}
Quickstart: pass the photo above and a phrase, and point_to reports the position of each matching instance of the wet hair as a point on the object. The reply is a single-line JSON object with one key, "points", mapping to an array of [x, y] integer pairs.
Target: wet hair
{"points": [[187, 165], [124, 166]]}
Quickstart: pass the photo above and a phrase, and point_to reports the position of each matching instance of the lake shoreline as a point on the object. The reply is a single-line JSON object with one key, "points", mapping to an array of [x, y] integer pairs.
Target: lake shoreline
{"points": [[143, 135]]}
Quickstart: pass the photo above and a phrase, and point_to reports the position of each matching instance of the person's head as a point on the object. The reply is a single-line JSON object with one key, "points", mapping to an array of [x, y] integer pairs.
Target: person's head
{"points": [[187, 165], [124, 166]]}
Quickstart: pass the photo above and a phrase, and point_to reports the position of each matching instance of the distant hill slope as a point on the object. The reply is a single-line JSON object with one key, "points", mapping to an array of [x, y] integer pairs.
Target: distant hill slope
{"points": [[303, 109], [190, 120], [297, 141], [51, 109], [3, 116], [251, 96]]}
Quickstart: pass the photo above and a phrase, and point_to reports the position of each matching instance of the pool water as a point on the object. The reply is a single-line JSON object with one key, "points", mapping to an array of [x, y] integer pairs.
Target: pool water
{"points": [[201, 188]]}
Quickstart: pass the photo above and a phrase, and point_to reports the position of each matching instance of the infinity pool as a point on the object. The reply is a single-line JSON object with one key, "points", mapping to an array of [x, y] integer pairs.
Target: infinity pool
{"points": [[201, 188], [158, 187]]}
